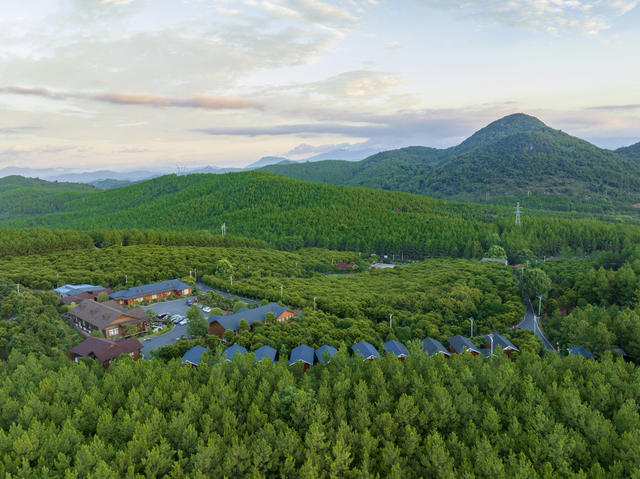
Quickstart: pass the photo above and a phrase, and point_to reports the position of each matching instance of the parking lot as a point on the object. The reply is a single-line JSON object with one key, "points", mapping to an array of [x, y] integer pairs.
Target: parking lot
{"points": [[178, 306]]}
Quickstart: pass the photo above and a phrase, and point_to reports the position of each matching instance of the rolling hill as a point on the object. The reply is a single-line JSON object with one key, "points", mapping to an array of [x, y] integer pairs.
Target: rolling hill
{"points": [[515, 158], [291, 214], [631, 152], [21, 196]]}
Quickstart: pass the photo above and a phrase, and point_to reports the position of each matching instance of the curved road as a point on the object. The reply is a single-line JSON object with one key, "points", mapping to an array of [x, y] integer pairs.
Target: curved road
{"points": [[530, 322]]}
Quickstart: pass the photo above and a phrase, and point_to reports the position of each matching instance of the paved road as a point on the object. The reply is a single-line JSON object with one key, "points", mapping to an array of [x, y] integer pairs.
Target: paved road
{"points": [[178, 306], [531, 323], [165, 339]]}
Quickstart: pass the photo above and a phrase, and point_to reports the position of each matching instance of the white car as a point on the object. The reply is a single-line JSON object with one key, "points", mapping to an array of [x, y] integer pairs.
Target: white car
{"points": [[206, 309], [183, 321]]}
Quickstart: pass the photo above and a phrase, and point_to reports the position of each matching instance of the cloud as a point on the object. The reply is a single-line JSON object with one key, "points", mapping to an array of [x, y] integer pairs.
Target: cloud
{"points": [[307, 149], [17, 149], [632, 106], [588, 16], [207, 102], [20, 129], [20, 149]]}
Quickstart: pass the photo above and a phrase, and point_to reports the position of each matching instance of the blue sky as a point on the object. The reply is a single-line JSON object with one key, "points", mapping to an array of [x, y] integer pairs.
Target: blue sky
{"points": [[133, 83]]}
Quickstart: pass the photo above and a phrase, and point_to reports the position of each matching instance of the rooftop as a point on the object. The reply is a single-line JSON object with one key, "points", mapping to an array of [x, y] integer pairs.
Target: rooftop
{"points": [[150, 289], [368, 351], [232, 322], [193, 355]]}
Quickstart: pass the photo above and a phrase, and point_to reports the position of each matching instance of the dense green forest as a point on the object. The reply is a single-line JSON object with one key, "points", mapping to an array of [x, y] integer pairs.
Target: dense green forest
{"points": [[466, 416], [431, 298], [518, 157], [595, 302], [632, 152], [291, 214]]}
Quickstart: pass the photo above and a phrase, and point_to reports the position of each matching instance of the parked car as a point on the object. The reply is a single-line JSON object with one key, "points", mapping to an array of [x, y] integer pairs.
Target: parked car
{"points": [[162, 316], [183, 321], [189, 302], [206, 309], [176, 318]]}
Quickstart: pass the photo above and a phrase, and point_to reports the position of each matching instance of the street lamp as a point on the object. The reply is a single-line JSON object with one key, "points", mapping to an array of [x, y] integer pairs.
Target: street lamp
{"points": [[539, 304], [471, 319], [491, 339]]}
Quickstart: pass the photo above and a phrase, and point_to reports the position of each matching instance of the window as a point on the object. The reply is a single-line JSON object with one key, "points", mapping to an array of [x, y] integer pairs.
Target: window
{"points": [[112, 332]]}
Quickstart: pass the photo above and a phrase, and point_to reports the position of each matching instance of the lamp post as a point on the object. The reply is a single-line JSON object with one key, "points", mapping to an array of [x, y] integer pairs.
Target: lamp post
{"points": [[390, 320], [539, 304], [491, 339], [471, 319]]}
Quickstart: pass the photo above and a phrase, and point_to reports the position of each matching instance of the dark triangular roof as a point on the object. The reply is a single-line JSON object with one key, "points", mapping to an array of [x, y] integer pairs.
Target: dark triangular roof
{"points": [[500, 340], [301, 353], [581, 351], [396, 347], [265, 352], [231, 351], [460, 344], [325, 351], [366, 350], [194, 354], [433, 346]]}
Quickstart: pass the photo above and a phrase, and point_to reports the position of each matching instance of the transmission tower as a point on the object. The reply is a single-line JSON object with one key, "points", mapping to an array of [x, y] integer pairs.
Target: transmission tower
{"points": [[518, 214]]}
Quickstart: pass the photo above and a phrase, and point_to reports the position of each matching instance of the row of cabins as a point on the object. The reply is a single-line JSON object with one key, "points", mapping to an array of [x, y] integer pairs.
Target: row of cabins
{"points": [[309, 356], [75, 293]]}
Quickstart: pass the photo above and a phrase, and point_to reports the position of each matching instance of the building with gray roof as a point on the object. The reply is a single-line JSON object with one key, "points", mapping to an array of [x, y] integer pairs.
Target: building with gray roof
{"points": [[366, 350], [194, 355], [396, 348], [218, 325], [459, 344], [231, 351], [152, 292], [433, 346], [265, 352], [325, 353], [302, 353]]}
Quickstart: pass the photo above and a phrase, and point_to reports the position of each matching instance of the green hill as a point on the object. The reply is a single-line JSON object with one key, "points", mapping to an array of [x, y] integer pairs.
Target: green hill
{"points": [[516, 158], [290, 214], [20, 197], [631, 152]]}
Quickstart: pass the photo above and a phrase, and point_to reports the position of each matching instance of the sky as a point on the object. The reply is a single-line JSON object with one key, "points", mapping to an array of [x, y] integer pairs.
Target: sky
{"points": [[138, 84]]}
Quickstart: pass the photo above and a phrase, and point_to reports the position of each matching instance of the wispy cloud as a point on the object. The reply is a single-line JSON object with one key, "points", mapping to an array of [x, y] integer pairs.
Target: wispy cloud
{"points": [[19, 129], [588, 16], [630, 107], [207, 102], [20, 149]]}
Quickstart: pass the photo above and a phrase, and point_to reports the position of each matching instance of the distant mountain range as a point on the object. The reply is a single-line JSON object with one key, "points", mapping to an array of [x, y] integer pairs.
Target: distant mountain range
{"points": [[515, 158], [107, 179]]}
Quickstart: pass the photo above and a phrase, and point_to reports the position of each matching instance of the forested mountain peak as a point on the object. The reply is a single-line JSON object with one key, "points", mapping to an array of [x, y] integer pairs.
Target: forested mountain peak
{"points": [[499, 129]]}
